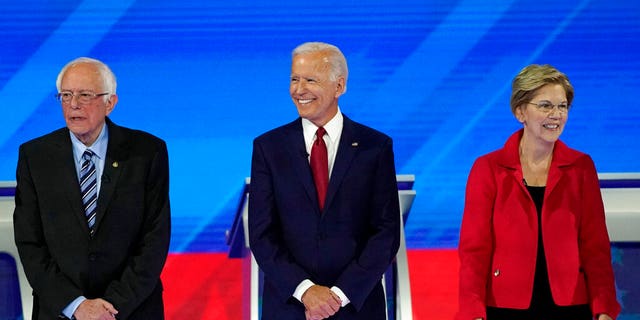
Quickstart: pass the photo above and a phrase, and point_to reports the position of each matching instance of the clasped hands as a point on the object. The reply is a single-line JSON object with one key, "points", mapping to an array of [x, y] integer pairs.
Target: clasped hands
{"points": [[320, 303], [95, 309]]}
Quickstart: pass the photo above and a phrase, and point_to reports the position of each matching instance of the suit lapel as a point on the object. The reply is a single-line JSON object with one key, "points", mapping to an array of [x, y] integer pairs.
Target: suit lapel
{"points": [[347, 150], [562, 158], [117, 152], [64, 168], [293, 136]]}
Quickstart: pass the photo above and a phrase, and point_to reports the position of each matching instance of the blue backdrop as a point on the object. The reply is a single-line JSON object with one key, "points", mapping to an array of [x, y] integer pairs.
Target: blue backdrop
{"points": [[209, 76]]}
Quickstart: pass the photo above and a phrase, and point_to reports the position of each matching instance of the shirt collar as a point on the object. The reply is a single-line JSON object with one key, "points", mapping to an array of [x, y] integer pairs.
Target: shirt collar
{"points": [[99, 147], [333, 127]]}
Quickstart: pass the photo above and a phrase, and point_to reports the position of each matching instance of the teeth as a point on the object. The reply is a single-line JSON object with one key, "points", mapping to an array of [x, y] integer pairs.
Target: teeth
{"points": [[551, 126], [305, 101]]}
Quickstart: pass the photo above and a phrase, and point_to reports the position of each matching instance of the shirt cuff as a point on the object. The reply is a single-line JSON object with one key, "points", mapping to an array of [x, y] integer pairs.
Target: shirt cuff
{"points": [[343, 297], [71, 307], [302, 288]]}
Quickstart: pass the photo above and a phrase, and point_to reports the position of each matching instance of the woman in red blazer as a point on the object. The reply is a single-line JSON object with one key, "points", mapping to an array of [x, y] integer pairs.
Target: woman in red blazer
{"points": [[533, 241]]}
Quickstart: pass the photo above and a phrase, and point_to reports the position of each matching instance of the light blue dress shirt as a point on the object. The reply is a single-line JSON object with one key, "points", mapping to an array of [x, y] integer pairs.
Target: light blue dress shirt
{"points": [[99, 147]]}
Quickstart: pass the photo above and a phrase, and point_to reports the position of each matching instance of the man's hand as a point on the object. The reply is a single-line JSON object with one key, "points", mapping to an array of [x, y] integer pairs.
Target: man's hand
{"points": [[95, 309], [320, 302]]}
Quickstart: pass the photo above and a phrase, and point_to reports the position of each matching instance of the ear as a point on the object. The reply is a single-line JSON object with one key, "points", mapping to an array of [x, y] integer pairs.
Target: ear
{"points": [[340, 86], [111, 103], [520, 114]]}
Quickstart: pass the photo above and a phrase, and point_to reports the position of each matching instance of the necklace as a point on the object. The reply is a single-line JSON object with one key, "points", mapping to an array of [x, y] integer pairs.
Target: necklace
{"points": [[534, 172]]}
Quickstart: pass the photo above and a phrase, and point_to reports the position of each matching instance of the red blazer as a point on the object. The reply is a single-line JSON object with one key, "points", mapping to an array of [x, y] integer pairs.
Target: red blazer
{"points": [[499, 235]]}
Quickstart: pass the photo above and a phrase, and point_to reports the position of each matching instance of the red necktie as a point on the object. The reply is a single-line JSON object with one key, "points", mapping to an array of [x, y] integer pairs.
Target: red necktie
{"points": [[320, 165]]}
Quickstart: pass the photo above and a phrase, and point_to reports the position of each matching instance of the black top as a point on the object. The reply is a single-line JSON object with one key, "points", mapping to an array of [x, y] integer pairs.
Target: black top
{"points": [[542, 306]]}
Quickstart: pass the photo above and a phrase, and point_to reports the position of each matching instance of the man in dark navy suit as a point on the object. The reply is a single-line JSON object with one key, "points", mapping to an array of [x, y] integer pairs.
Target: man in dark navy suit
{"points": [[324, 221], [92, 217]]}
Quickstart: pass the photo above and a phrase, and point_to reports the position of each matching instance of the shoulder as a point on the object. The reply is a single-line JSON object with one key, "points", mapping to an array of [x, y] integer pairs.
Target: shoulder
{"points": [[564, 155], [278, 133], [366, 134], [507, 156], [142, 136], [133, 137], [48, 140], [504, 157], [490, 163]]}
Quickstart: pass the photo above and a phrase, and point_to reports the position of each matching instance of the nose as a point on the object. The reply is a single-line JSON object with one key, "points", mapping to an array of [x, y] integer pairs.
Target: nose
{"points": [[555, 115], [298, 87], [74, 103], [556, 112]]}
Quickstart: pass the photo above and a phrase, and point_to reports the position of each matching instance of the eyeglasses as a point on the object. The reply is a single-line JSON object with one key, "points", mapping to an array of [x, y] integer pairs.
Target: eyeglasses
{"points": [[82, 96], [546, 106]]}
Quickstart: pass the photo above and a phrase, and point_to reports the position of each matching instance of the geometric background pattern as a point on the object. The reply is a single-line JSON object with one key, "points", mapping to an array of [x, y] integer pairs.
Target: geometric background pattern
{"points": [[209, 76]]}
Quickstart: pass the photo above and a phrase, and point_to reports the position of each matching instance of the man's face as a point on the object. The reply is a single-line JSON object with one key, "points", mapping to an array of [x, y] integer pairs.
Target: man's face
{"points": [[85, 120], [312, 91]]}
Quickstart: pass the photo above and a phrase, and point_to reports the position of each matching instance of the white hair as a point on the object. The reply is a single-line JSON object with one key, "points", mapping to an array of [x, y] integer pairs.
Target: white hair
{"points": [[337, 61], [108, 78]]}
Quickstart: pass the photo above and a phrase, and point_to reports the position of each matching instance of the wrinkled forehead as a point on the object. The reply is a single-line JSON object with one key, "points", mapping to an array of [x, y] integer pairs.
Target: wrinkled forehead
{"points": [[82, 76], [316, 62]]}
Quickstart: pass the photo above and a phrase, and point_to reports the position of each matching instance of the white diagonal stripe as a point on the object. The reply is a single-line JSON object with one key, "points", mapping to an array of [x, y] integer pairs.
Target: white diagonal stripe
{"points": [[89, 188]]}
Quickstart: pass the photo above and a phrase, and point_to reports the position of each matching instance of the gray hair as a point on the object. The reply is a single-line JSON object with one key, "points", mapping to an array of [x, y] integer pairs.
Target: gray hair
{"points": [[336, 60], [108, 78]]}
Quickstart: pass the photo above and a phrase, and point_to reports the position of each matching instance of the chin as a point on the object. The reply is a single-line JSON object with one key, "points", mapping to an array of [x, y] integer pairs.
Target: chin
{"points": [[305, 112], [552, 138]]}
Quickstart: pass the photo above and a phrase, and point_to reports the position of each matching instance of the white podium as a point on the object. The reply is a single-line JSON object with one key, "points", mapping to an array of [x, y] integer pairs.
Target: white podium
{"points": [[621, 197], [396, 279], [7, 243]]}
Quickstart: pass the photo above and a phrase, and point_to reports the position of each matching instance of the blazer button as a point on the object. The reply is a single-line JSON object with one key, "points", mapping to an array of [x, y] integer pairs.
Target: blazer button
{"points": [[496, 273], [93, 257]]}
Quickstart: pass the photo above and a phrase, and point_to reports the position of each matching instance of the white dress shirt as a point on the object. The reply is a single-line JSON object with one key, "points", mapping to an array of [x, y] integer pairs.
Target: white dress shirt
{"points": [[332, 140]]}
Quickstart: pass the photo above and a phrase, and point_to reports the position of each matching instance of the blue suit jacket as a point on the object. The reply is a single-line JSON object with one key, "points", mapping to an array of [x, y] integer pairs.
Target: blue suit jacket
{"points": [[349, 244]]}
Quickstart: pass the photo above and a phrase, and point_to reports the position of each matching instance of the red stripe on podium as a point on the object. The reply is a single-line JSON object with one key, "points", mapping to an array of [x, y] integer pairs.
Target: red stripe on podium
{"points": [[209, 285]]}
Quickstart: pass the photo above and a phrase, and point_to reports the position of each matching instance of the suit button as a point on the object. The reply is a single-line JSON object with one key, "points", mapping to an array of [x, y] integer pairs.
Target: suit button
{"points": [[93, 257], [496, 273]]}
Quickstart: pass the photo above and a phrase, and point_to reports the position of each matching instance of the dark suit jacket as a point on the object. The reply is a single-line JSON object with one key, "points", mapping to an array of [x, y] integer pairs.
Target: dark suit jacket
{"points": [[499, 234], [349, 244], [123, 260]]}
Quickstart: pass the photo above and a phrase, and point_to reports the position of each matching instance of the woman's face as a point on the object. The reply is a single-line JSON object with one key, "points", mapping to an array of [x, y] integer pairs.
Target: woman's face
{"points": [[545, 116]]}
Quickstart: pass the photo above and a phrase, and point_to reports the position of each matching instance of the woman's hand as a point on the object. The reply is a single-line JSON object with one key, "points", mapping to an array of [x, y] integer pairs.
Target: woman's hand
{"points": [[604, 317]]}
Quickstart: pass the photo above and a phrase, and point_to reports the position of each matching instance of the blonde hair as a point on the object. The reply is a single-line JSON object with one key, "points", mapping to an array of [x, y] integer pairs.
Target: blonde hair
{"points": [[533, 77]]}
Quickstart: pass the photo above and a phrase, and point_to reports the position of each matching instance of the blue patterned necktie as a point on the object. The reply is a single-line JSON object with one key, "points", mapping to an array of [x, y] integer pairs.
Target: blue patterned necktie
{"points": [[89, 188]]}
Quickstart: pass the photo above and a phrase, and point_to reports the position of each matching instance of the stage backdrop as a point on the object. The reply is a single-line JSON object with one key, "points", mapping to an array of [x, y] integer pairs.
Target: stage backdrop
{"points": [[209, 76]]}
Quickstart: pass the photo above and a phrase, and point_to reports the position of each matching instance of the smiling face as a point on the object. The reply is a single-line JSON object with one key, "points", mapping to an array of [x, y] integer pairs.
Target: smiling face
{"points": [[539, 125], [312, 90], [86, 120]]}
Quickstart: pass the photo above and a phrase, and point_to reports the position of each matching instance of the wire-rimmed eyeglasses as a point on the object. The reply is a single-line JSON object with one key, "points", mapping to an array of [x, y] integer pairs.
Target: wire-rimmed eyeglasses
{"points": [[83, 97], [547, 106]]}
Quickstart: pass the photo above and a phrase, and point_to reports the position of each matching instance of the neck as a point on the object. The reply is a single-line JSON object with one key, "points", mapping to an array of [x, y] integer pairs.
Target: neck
{"points": [[535, 159], [324, 121], [535, 152], [87, 139]]}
